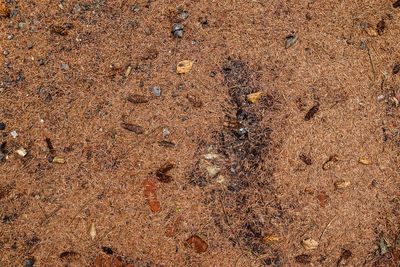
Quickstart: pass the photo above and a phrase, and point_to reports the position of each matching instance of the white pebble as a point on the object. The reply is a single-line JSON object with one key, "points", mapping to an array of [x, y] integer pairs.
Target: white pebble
{"points": [[14, 134]]}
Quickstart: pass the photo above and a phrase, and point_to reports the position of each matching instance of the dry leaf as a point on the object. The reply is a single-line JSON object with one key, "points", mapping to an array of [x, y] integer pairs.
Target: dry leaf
{"points": [[162, 175], [330, 162], [137, 99], [197, 244], [371, 31], [195, 101], [365, 161], [380, 27], [21, 151], [92, 231], [58, 160], [4, 10], [133, 128], [271, 239], [290, 41], [309, 243], [342, 184], [254, 97], [58, 29], [323, 198], [184, 66], [306, 159]]}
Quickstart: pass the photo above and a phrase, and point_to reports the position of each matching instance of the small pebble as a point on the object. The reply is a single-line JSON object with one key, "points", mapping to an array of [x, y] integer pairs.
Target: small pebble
{"points": [[184, 15], [30, 46], [212, 74], [41, 62], [64, 66], [51, 158], [14, 134], [5, 52], [177, 30], [21, 24], [133, 7], [193, 42], [174, 95], [166, 132], [380, 97], [2, 126], [10, 37], [29, 262], [363, 46], [180, 86], [156, 91], [87, 116]]}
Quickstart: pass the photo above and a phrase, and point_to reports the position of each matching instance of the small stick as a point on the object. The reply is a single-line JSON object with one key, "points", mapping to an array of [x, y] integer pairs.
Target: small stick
{"points": [[372, 62], [47, 217], [326, 227]]}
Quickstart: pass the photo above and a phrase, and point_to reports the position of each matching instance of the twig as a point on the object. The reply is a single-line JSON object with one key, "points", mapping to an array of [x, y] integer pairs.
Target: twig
{"points": [[384, 81], [372, 62], [81, 208], [326, 227], [227, 221], [47, 217]]}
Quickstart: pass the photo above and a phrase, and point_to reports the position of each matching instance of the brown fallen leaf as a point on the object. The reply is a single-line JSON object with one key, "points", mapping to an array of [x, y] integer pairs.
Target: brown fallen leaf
{"points": [[290, 40], [341, 184], [184, 66], [308, 190], [365, 161], [58, 30], [309, 244], [162, 175], [150, 195], [254, 97], [70, 255], [137, 99], [330, 162], [197, 244], [303, 258], [195, 101], [133, 128], [4, 10], [322, 198]]}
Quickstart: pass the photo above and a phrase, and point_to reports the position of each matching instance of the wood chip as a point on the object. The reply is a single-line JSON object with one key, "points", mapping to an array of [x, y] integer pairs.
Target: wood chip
{"points": [[92, 231], [290, 40], [341, 184], [4, 10], [271, 239], [21, 151], [184, 66], [58, 160], [137, 99], [133, 128], [330, 162], [365, 161], [309, 244], [197, 244], [254, 97]]}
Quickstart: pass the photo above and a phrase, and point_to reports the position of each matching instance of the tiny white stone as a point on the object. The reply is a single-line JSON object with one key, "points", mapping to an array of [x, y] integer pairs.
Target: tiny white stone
{"points": [[380, 97], [41, 120], [21, 151], [14, 134], [166, 132]]}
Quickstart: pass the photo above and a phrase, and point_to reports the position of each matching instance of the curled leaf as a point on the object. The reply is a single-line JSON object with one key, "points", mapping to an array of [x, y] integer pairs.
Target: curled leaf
{"points": [[197, 244], [254, 97], [342, 184], [309, 244], [184, 66], [290, 40], [330, 162]]}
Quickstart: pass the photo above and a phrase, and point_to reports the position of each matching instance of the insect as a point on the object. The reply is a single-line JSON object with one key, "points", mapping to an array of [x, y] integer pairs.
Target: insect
{"points": [[312, 112]]}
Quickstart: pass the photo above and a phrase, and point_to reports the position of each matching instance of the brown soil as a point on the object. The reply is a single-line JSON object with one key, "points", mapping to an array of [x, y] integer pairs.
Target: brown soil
{"points": [[200, 176]]}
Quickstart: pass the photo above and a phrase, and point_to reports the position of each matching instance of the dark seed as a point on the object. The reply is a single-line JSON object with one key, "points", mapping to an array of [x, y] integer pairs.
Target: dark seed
{"points": [[396, 67], [29, 262], [162, 175], [2, 126], [166, 144], [51, 158], [133, 128], [212, 74], [380, 27], [107, 250], [49, 144], [312, 112], [303, 258], [305, 159], [41, 62], [70, 255]]}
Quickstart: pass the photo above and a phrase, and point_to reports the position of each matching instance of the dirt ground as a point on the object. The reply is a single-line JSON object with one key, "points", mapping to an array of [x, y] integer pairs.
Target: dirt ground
{"points": [[125, 162]]}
